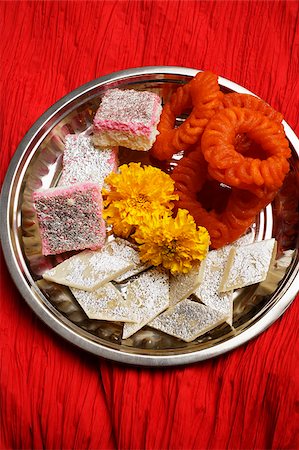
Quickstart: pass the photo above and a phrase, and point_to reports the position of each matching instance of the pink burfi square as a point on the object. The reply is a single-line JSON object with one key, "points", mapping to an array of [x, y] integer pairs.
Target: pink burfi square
{"points": [[128, 118], [82, 162], [70, 218]]}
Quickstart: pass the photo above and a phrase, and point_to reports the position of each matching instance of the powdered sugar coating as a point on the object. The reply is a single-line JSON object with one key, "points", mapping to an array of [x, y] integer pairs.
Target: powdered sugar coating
{"points": [[133, 256], [128, 118], [183, 285], [82, 162], [91, 270], [187, 320], [151, 290], [70, 218], [248, 264], [213, 269], [106, 303]]}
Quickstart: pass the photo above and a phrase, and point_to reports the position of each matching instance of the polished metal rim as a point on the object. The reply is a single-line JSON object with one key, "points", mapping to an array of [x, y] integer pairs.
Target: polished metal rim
{"points": [[17, 265]]}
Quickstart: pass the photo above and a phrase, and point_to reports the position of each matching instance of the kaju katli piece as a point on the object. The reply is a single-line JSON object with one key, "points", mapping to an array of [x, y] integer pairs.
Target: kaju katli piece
{"points": [[106, 303], [187, 320], [90, 270]]}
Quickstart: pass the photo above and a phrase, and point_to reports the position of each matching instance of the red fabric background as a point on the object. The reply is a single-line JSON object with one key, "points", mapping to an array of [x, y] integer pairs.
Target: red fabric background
{"points": [[55, 396]]}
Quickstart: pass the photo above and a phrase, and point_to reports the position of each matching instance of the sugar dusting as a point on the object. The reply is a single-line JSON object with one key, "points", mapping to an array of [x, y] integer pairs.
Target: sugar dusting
{"points": [[250, 264], [187, 320], [106, 303], [127, 107], [83, 162], [133, 256], [70, 218], [208, 291], [151, 290], [183, 285], [128, 118]]}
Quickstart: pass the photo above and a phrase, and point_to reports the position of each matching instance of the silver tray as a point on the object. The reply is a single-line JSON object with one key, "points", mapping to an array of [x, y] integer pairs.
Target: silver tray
{"points": [[37, 163]]}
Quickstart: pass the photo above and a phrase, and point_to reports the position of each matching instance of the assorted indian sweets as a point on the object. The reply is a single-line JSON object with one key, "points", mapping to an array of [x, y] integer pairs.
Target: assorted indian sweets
{"points": [[180, 244]]}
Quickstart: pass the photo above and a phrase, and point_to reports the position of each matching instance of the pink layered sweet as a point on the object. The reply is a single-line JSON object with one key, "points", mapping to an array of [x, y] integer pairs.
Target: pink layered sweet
{"points": [[70, 218], [83, 162], [128, 118]]}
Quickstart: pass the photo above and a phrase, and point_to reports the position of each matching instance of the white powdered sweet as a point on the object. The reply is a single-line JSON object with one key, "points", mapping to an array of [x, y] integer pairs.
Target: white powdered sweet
{"points": [[248, 264], [106, 303], [91, 269], [137, 265], [187, 320], [183, 285], [83, 162], [213, 269], [151, 289]]}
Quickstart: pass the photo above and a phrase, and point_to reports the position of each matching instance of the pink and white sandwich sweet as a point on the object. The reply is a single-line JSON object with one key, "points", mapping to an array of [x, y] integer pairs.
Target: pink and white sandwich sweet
{"points": [[70, 218], [128, 118], [82, 162]]}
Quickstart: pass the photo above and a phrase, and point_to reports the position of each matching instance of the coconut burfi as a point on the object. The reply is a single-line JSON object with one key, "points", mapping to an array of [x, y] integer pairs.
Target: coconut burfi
{"points": [[70, 218], [82, 162], [127, 118], [212, 270]]}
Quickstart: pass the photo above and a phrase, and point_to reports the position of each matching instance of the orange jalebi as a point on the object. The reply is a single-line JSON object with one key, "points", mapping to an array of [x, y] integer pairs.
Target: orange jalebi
{"points": [[228, 166], [235, 155], [251, 102], [203, 95], [190, 173], [237, 214]]}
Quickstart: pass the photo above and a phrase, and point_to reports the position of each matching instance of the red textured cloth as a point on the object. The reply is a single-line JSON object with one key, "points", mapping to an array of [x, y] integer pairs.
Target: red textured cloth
{"points": [[55, 396]]}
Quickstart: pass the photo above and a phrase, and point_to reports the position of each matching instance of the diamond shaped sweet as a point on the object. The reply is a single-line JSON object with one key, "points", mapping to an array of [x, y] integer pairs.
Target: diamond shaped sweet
{"points": [[187, 320], [90, 270], [248, 264], [151, 289], [106, 303]]}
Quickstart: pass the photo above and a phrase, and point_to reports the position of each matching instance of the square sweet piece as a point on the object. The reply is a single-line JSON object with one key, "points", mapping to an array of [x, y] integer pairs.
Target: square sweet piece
{"points": [[187, 320], [70, 218], [82, 162], [248, 264], [151, 290], [106, 303], [128, 118], [90, 270]]}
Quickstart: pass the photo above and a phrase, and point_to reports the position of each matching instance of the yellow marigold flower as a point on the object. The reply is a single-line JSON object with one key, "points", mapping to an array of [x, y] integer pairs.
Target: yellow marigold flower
{"points": [[133, 193], [175, 243]]}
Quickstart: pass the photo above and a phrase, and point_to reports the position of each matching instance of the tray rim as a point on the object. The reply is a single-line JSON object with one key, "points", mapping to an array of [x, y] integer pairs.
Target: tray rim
{"points": [[33, 296]]}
